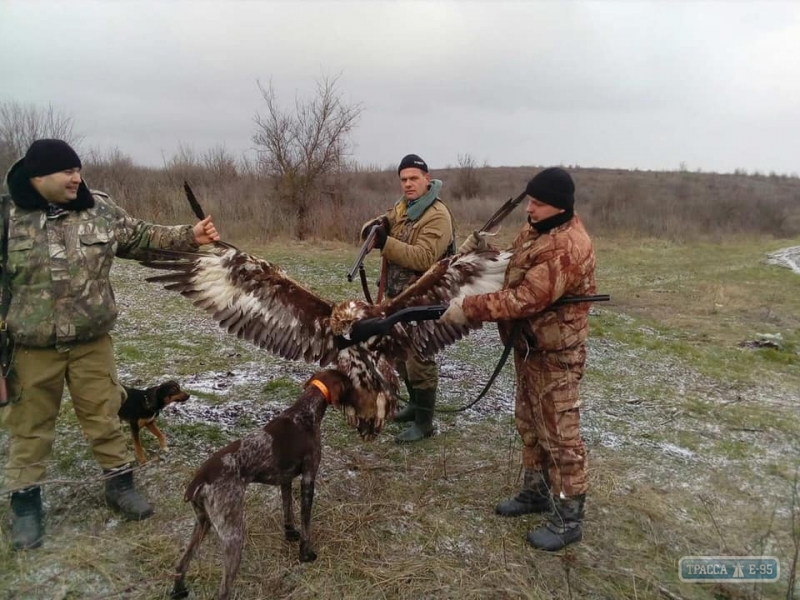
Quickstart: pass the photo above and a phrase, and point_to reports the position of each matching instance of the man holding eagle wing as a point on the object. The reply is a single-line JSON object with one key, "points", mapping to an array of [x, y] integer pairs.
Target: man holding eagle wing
{"points": [[553, 258]]}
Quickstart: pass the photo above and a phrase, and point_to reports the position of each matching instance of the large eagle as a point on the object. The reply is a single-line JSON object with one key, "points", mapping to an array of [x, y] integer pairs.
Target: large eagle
{"points": [[255, 300]]}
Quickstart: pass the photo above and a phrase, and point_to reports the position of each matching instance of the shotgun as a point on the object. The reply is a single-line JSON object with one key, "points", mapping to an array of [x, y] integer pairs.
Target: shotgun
{"points": [[366, 328], [358, 265]]}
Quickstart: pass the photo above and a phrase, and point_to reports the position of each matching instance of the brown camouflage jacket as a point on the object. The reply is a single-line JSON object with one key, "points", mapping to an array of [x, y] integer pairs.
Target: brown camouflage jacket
{"points": [[414, 246], [59, 268], [543, 268]]}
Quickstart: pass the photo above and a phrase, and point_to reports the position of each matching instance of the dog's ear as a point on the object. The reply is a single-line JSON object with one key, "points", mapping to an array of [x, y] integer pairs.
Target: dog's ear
{"points": [[164, 390]]}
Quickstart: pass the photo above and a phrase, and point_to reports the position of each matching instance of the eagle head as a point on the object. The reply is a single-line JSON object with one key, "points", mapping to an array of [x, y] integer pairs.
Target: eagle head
{"points": [[346, 313], [373, 399]]}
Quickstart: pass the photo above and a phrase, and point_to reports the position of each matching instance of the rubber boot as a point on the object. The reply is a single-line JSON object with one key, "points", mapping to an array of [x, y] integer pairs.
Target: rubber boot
{"points": [[422, 426], [409, 411], [26, 526], [123, 497], [533, 498], [564, 527]]}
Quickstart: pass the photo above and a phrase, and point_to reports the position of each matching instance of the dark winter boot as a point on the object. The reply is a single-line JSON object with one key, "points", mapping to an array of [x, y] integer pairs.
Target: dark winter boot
{"points": [[564, 527], [26, 525], [533, 498], [409, 411], [122, 497], [422, 426]]}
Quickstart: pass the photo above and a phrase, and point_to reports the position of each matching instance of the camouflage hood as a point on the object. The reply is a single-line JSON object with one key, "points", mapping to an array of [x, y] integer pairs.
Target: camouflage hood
{"points": [[25, 195]]}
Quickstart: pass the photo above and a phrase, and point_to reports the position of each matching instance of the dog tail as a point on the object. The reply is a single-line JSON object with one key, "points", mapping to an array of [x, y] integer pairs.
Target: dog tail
{"points": [[194, 487]]}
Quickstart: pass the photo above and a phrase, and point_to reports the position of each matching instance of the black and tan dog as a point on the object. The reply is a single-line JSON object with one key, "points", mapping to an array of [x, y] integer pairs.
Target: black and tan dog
{"points": [[288, 446], [143, 406]]}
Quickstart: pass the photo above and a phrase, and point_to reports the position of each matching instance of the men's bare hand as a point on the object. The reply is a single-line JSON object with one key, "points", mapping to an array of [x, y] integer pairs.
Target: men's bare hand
{"points": [[205, 232]]}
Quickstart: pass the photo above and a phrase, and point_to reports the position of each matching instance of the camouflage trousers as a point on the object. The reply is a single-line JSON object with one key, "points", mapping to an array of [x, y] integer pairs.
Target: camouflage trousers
{"points": [[421, 373], [548, 417], [36, 386]]}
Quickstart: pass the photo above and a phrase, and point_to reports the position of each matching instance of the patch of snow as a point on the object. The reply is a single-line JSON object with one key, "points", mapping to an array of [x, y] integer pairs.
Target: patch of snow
{"points": [[624, 408], [610, 440], [228, 416], [677, 451], [223, 383], [786, 257]]}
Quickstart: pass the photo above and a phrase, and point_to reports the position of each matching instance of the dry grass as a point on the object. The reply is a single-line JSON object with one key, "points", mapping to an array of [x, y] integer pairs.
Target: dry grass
{"points": [[692, 443], [677, 206]]}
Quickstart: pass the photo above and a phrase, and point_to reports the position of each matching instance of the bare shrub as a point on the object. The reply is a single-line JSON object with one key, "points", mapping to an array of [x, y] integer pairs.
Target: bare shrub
{"points": [[186, 164], [299, 149], [371, 177], [667, 205], [468, 180], [246, 166], [220, 163], [251, 204], [112, 171]]}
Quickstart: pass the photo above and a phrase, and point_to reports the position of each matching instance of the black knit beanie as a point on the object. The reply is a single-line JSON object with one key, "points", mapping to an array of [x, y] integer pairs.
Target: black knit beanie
{"points": [[412, 161], [553, 186], [50, 156]]}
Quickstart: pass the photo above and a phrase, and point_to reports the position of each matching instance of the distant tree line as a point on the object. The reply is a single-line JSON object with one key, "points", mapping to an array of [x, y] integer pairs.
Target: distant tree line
{"points": [[304, 184]]}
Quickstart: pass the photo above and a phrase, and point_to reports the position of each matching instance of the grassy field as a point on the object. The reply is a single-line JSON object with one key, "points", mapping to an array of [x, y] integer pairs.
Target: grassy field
{"points": [[693, 446]]}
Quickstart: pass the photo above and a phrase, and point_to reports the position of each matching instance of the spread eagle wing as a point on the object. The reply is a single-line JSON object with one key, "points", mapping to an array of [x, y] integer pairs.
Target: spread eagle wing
{"points": [[252, 299], [450, 278]]}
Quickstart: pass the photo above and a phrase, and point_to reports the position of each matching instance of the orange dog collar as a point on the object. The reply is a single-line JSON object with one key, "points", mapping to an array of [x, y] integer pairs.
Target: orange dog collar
{"points": [[322, 388]]}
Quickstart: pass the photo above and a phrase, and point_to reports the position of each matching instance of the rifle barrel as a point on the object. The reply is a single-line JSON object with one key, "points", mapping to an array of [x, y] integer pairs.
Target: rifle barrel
{"points": [[576, 299], [369, 241]]}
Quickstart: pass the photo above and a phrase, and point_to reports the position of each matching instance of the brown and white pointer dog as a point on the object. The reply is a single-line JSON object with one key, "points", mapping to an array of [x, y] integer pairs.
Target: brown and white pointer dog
{"points": [[288, 446], [142, 407]]}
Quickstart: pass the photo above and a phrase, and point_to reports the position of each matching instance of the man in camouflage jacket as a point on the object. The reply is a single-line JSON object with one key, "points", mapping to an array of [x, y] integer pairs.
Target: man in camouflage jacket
{"points": [[62, 240], [413, 235], [553, 257]]}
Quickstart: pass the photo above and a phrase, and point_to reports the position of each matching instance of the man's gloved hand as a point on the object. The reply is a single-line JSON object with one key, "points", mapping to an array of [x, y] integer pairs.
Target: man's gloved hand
{"points": [[383, 221], [476, 242], [454, 315], [381, 233]]}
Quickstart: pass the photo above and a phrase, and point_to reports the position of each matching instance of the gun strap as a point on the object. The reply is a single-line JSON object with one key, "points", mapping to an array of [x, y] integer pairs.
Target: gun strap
{"points": [[362, 275], [500, 364], [5, 284], [382, 280]]}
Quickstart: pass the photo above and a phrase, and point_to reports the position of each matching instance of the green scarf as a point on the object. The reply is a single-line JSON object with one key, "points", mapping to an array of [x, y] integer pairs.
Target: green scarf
{"points": [[415, 208]]}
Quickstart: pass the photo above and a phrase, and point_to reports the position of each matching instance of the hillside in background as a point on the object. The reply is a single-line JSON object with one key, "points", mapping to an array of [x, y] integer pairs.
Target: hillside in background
{"points": [[674, 205]]}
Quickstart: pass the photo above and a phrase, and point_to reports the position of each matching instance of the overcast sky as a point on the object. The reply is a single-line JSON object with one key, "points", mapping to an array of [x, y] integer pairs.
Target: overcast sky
{"points": [[631, 84]]}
